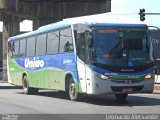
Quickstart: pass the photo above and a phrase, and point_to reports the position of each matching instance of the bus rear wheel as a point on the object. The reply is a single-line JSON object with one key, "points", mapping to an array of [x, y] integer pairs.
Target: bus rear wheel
{"points": [[28, 90], [72, 90], [121, 97]]}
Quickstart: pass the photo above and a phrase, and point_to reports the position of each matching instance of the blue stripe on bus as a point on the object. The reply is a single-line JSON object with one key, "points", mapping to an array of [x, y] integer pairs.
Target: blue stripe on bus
{"points": [[107, 72], [64, 62], [119, 25]]}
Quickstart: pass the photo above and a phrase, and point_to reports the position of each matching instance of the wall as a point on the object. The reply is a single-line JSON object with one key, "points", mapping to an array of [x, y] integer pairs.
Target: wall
{"points": [[1, 56]]}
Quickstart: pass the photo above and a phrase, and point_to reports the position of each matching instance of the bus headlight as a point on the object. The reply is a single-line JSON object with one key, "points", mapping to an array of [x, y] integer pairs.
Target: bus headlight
{"points": [[104, 77], [148, 76]]}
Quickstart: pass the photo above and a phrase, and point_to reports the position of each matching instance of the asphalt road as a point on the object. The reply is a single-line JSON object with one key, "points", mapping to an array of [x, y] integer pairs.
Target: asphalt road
{"points": [[13, 101]]}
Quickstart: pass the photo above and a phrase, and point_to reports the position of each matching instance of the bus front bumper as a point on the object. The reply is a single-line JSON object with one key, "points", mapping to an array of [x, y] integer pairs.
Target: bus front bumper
{"points": [[99, 86]]}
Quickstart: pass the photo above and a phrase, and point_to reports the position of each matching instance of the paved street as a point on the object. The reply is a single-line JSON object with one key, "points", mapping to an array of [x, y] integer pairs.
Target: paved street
{"points": [[12, 100]]}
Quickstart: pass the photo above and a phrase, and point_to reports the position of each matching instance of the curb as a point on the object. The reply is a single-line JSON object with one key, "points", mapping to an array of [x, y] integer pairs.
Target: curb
{"points": [[6, 85], [156, 92], [156, 89], [3, 81]]}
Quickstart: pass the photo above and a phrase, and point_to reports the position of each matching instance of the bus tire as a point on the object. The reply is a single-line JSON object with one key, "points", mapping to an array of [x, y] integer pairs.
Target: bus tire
{"points": [[72, 90], [121, 97], [28, 90]]}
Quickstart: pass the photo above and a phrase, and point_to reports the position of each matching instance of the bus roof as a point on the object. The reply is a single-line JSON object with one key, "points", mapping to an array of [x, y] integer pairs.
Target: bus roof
{"points": [[87, 20]]}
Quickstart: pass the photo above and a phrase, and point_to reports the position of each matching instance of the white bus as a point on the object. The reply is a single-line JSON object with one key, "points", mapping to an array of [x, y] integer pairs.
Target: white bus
{"points": [[83, 57]]}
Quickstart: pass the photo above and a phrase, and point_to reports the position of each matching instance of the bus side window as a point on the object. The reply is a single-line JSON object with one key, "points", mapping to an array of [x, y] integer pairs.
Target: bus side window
{"points": [[30, 50], [66, 41], [81, 46], [53, 42], [22, 48], [15, 51], [81, 41], [41, 44], [10, 49]]}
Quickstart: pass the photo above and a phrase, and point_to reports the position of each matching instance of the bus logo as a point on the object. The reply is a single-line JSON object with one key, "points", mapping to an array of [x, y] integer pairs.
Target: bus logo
{"points": [[35, 63]]}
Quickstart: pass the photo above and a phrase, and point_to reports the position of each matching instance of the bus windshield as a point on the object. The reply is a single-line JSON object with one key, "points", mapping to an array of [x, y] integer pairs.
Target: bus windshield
{"points": [[121, 46]]}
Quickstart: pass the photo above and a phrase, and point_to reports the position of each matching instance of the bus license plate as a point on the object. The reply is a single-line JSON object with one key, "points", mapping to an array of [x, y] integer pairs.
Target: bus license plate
{"points": [[126, 90]]}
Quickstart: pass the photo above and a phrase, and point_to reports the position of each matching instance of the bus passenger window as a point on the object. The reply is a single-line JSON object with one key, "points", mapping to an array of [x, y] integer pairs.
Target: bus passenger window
{"points": [[81, 49], [66, 42], [52, 42], [30, 46], [16, 48], [22, 48], [41, 44], [10, 49]]}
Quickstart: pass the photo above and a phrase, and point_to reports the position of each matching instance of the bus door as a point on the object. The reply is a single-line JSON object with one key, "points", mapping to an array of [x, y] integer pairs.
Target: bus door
{"points": [[81, 56], [81, 34], [83, 61], [82, 74]]}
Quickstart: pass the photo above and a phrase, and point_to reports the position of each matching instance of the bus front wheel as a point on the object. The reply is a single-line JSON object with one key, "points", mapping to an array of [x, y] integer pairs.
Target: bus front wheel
{"points": [[121, 97], [72, 90], [27, 90]]}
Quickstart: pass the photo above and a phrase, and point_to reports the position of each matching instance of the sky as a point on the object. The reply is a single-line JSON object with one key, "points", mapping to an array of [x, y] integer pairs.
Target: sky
{"points": [[132, 8], [25, 26], [129, 9]]}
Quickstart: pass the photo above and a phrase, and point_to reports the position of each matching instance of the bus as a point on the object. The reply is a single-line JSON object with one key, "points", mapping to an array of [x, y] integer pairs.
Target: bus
{"points": [[155, 38], [83, 57]]}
